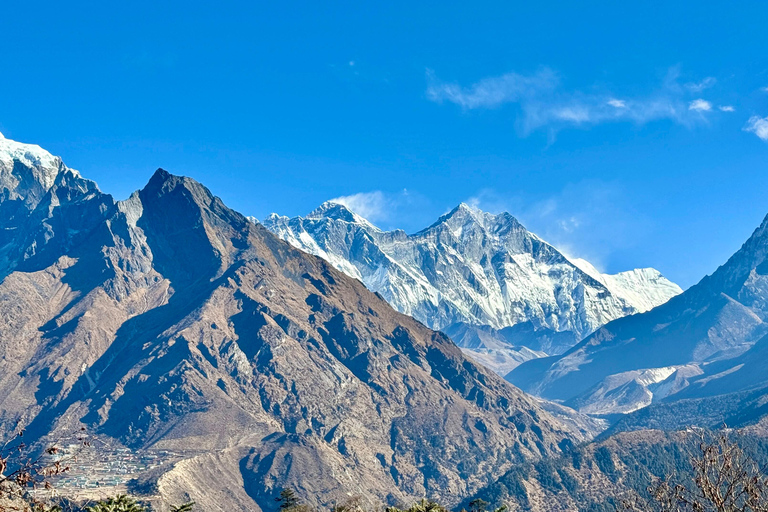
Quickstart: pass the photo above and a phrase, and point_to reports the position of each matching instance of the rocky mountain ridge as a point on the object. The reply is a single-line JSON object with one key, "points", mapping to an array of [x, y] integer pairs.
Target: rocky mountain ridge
{"points": [[702, 343], [474, 275], [170, 321]]}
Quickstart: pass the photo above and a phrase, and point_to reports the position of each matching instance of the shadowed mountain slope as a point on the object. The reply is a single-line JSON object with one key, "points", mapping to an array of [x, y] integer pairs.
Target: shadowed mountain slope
{"points": [[169, 321]]}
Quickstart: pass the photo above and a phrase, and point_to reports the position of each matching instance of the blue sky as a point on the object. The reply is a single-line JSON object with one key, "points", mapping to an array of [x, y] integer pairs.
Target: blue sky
{"points": [[631, 134]]}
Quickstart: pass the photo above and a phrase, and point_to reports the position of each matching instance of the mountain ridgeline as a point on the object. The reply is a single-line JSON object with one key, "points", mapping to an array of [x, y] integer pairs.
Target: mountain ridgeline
{"points": [[501, 292], [169, 321], [280, 354], [701, 358]]}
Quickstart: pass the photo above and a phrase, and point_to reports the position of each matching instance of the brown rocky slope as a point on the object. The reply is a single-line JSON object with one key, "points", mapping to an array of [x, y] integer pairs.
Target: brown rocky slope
{"points": [[170, 321]]}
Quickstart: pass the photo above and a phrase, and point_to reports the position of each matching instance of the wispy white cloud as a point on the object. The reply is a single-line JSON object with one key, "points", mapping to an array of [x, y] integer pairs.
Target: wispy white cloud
{"points": [[764, 89], [543, 102], [700, 105], [383, 208], [374, 206], [700, 86], [759, 126], [492, 92], [727, 108]]}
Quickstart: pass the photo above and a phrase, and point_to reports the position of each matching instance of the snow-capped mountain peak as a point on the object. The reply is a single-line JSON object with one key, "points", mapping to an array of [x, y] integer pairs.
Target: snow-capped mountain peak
{"points": [[340, 212], [27, 171], [470, 226], [644, 288], [34, 186], [462, 215], [45, 167], [476, 268]]}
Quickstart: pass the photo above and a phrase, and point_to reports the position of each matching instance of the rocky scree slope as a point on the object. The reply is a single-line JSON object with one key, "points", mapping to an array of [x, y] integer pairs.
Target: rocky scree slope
{"points": [[170, 321], [499, 291]]}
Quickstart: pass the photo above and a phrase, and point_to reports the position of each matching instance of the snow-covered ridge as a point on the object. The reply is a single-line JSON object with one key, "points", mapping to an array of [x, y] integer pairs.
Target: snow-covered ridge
{"points": [[474, 267], [27, 171], [644, 288], [331, 210], [710, 342]]}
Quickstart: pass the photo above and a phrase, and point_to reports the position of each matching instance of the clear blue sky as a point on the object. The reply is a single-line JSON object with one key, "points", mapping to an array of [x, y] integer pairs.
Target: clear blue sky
{"points": [[627, 133]]}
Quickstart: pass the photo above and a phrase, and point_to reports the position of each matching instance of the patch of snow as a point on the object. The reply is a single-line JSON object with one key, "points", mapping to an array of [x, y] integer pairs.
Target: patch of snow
{"points": [[626, 392]]}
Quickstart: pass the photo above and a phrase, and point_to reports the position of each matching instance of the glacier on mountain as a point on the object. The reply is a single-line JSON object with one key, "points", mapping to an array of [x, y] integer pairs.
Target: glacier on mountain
{"points": [[473, 268]]}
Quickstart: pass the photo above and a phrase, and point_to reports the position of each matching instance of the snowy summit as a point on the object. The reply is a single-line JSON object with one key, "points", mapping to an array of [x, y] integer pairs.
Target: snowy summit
{"points": [[473, 268]]}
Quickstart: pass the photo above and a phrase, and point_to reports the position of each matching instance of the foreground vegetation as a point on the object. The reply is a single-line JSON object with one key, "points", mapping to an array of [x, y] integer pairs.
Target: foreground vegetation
{"points": [[695, 471]]}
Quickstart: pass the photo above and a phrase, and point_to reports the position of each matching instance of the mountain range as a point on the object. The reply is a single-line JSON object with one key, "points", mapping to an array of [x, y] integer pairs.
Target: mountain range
{"points": [[168, 321], [701, 357], [282, 354], [499, 291]]}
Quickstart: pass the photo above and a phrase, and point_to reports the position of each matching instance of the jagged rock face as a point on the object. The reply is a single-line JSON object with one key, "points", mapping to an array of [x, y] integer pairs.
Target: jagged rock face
{"points": [[27, 172], [38, 195], [696, 338], [171, 321], [476, 269]]}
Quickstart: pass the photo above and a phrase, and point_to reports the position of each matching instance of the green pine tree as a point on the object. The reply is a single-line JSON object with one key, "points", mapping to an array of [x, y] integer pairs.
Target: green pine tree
{"points": [[120, 503], [288, 499]]}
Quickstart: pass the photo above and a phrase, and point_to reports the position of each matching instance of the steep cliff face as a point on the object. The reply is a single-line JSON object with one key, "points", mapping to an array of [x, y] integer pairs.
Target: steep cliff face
{"points": [[170, 321], [40, 199], [473, 275]]}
